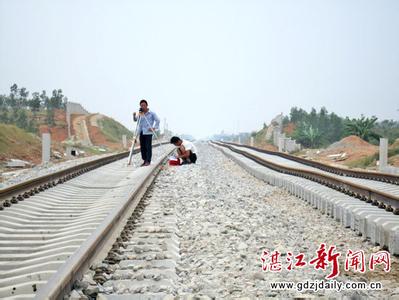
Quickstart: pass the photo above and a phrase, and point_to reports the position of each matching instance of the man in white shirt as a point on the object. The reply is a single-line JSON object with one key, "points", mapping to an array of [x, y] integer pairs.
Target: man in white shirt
{"points": [[186, 151]]}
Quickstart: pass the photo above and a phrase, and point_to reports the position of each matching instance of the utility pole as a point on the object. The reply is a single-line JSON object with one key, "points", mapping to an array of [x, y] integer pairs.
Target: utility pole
{"points": [[164, 129]]}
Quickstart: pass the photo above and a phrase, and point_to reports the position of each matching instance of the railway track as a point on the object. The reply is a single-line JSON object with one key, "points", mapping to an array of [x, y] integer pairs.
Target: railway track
{"points": [[367, 206], [47, 239], [19, 192], [381, 190], [376, 176]]}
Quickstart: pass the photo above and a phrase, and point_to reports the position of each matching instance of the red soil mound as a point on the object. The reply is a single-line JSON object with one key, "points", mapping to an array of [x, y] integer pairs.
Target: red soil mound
{"points": [[354, 148], [351, 142]]}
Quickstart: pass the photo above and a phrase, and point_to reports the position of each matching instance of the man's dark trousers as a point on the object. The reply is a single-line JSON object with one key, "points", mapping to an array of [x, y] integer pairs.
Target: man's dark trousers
{"points": [[146, 146]]}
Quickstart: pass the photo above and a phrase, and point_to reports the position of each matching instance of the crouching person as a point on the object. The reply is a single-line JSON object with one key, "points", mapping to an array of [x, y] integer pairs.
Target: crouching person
{"points": [[186, 151]]}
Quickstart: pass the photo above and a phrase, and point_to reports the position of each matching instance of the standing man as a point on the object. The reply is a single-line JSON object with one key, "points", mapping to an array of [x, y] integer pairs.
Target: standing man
{"points": [[186, 151], [149, 122]]}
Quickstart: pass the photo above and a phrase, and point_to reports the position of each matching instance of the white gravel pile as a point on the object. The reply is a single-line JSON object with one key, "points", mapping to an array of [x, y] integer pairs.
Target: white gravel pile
{"points": [[226, 218]]}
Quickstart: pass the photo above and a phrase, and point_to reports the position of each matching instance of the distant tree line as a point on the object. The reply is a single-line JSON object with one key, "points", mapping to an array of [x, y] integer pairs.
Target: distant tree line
{"points": [[21, 110], [388, 129], [315, 129]]}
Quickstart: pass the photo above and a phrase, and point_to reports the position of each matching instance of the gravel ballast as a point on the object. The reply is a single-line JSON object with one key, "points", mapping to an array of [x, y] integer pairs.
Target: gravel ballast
{"points": [[224, 219]]}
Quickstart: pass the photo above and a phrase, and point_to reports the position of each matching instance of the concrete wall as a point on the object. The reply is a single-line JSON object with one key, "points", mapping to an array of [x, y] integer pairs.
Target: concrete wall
{"points": [[289, 145], [73, 108], [283, 143]]}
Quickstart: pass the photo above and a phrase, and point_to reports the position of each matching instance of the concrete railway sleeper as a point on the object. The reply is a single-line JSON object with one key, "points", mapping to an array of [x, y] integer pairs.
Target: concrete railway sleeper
{"points": [[370, 175], [19, 192], [340, 201], [45, 240], [380, 194]]}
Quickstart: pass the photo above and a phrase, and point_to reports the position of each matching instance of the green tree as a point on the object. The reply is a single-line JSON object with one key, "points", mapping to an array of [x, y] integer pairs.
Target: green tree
{"points": [[13, 117], [3, 102], [323, 120], [388, 129], [32, 126], [335, 128], [298, 115], [23, 97], [34, 103], [50, 117], [14, 90], [362, 127], [11, 100], [56, 99], [313, 118], [286, 120], [308, 135], [22, 120], [3, 109], [4, 117], [329, 127], [44, 100]]}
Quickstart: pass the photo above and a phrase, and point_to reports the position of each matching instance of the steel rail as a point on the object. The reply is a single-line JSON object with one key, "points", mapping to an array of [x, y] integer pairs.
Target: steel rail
{"points": [[73, 269], [375, 197], [18, 192], [377, 176]]}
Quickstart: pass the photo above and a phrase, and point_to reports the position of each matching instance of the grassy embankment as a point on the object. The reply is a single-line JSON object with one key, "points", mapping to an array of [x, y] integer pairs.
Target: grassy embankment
{"points": [[113, 130], [17, 143]]}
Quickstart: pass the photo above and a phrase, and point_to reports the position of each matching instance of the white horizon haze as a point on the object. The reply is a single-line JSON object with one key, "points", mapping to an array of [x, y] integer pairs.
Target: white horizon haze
{"points": [[206, 66]]}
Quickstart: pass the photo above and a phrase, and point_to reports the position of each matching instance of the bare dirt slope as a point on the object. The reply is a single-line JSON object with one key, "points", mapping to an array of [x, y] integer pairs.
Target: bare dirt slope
{"points": [[99, 130], [343, 153], [80, 129], [353, 146]]}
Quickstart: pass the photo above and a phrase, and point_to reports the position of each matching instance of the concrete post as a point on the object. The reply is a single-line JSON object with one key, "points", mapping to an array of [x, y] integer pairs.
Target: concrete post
{"points": [[252, 141], [280, 144], [239, 139], [68, 152], [46, 147], [124, 141], [275, 137], [383, 153]]}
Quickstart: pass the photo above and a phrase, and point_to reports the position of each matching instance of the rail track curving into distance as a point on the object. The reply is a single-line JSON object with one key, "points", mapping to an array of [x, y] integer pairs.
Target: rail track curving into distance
{"points": [[378, 189]]}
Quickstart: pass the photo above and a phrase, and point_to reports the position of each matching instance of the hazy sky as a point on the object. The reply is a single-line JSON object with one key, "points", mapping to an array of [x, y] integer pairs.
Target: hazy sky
{"points": [[206, 65]]}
